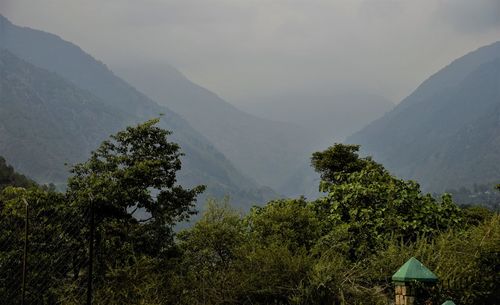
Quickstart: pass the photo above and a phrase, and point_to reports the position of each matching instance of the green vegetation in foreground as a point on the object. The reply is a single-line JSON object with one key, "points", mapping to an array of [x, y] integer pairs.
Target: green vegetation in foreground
{"points": [[339, 249]]}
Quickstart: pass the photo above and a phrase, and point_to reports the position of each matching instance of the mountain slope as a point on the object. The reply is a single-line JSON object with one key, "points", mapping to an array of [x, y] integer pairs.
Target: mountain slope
{"points": [[118, 105], [46, 121], [266, 150], [446, 133]]}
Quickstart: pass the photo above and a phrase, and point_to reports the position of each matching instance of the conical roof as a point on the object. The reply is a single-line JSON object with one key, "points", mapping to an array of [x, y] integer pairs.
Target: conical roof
{"points": [[448, 303], [414, 270]]}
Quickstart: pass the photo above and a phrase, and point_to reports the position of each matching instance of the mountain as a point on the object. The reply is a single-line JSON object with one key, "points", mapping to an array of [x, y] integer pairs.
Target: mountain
{"points": [[266, 150], [57, 103], [446, 134]]}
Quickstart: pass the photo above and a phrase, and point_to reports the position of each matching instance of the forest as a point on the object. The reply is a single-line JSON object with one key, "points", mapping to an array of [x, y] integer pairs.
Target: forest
{"points": [[115, 230]]}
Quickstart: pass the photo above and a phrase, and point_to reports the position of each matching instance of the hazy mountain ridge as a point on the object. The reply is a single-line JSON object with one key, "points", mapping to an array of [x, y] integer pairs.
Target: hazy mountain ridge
{"points": [[267, 150], [203, 164], [445, 134]]}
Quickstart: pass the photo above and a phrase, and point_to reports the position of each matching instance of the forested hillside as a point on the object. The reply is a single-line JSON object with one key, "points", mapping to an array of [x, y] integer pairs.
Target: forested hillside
{"points": [[94, 103], [47, 121], [446, 134]]}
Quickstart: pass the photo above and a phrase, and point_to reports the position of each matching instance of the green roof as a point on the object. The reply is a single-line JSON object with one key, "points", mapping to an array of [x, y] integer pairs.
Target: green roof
{"points": [[448, 303], [413, 270]]}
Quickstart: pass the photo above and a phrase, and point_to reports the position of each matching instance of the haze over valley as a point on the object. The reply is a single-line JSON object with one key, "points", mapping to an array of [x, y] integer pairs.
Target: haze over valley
{"points": [[265, 87]]}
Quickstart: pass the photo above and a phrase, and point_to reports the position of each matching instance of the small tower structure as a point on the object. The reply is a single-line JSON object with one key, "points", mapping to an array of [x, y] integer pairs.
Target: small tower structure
{"points": [[408, 279]]}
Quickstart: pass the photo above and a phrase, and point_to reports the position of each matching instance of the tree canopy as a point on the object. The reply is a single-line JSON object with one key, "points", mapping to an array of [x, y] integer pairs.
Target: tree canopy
{"points": [[135, 171], [338, 249], [338, 160]]}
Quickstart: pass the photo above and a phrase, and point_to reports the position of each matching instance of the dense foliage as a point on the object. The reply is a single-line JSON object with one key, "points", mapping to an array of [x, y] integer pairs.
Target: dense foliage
{"points": [[339, 249], [8, 177], [134, 171]]}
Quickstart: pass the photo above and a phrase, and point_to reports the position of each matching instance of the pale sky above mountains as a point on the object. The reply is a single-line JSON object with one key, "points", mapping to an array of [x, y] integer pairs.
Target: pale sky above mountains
{"points": [[242, 49]]}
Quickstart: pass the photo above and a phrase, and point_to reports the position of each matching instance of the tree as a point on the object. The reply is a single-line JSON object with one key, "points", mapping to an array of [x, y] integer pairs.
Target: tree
{"points": [[339, 159], [51, 257], [210, 249], [131, 180], [289, 222], [366, 204]]}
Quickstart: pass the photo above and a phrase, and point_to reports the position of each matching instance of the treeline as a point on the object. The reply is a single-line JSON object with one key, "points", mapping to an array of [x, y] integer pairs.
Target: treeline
{"points": [[8, 177], [339, 249], [478, 194]]}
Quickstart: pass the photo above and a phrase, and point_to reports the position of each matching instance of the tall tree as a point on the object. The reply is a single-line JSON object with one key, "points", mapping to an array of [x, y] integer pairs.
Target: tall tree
{"points": [[366, 204], [339, 159], [131, 180]]}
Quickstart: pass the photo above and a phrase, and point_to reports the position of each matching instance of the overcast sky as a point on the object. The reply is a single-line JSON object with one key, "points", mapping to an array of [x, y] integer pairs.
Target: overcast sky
{"points": [[243, 49]]}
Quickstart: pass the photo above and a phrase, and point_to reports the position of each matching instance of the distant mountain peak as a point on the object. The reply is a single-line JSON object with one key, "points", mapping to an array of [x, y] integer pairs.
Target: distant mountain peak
{"points": [[455, 72], [4, 19]]}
